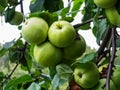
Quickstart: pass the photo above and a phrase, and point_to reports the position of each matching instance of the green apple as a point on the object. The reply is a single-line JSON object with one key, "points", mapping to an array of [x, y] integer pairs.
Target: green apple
{"points": [[47, 55], [75, 49], [86, 74], [35, 30], [101, 83], [116, 77], [61, 33], [17, 18], [105, 3], [113, 16]]}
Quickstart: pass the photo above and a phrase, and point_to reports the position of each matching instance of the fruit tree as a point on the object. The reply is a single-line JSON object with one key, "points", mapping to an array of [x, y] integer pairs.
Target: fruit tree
{"points": [[51, 54]]}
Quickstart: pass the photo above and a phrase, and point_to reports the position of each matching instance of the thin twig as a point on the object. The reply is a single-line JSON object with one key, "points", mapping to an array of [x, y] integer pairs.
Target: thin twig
{"points": [[85, 22], [111, 62], [21, 6]]}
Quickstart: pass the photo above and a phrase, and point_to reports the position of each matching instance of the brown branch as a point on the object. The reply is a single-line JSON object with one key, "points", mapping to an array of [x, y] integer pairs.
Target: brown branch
{"points": [[111, 62], [85, 22], [21, 6], [103, 44]]}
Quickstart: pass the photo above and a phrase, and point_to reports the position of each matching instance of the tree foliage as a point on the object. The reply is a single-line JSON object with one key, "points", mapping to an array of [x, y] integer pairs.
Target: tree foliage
{"points": [[17, 54]]}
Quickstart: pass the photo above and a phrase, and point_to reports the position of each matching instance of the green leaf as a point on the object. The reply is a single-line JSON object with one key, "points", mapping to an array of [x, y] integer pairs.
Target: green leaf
{"points": [[36, 5], [1, 76], [76, 6], [64, 11], [84, 27], [2, 52], [117, 42], [64, 71], [67, 18], [48, 17], [55, 82], [88, 10], [26, 62], [23, 79], [53, 5], [87, 58], [34, 86], [7, 45], [99, 28]]}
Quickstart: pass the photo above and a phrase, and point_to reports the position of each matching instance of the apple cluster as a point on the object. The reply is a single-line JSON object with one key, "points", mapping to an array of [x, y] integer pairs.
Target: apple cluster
{"points": [[111, 11], [54, 44]]}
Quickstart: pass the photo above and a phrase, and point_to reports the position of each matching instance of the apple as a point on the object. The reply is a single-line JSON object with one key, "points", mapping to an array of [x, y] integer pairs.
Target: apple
{"points": [[17, 18], [101, 83], [47, 55], [61, 33], [116, 77], [35, 30], [105, 3], [86, 74], [75, 49], [113, 16]]}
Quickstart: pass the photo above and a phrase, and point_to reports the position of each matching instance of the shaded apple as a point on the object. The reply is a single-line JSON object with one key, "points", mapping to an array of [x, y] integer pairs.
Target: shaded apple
{"points": [[86, 74], [17, 18], [113, 16], [47, 55], [75, 49]]}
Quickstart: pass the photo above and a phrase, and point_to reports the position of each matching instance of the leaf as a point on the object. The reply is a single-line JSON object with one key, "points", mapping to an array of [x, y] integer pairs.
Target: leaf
{"points": [[99, 29], [2, 52], [26, 62], [7, 45], [1, 76], [34, 86], [64, 11], [48, 17], [84, 27], [87, 58], [53, 5], [118, 43], [64, 71], [23, 79], [55, 82], [36, 5], [76, 5]]}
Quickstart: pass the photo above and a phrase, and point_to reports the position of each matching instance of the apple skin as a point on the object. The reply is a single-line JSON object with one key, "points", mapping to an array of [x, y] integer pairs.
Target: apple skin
{"points": [[35, 30], [116, 77], [113, 16], [61, 33], [17, 18], [47, 55], [75, 49], [105, 3], [101, 84], [86, 74]]}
